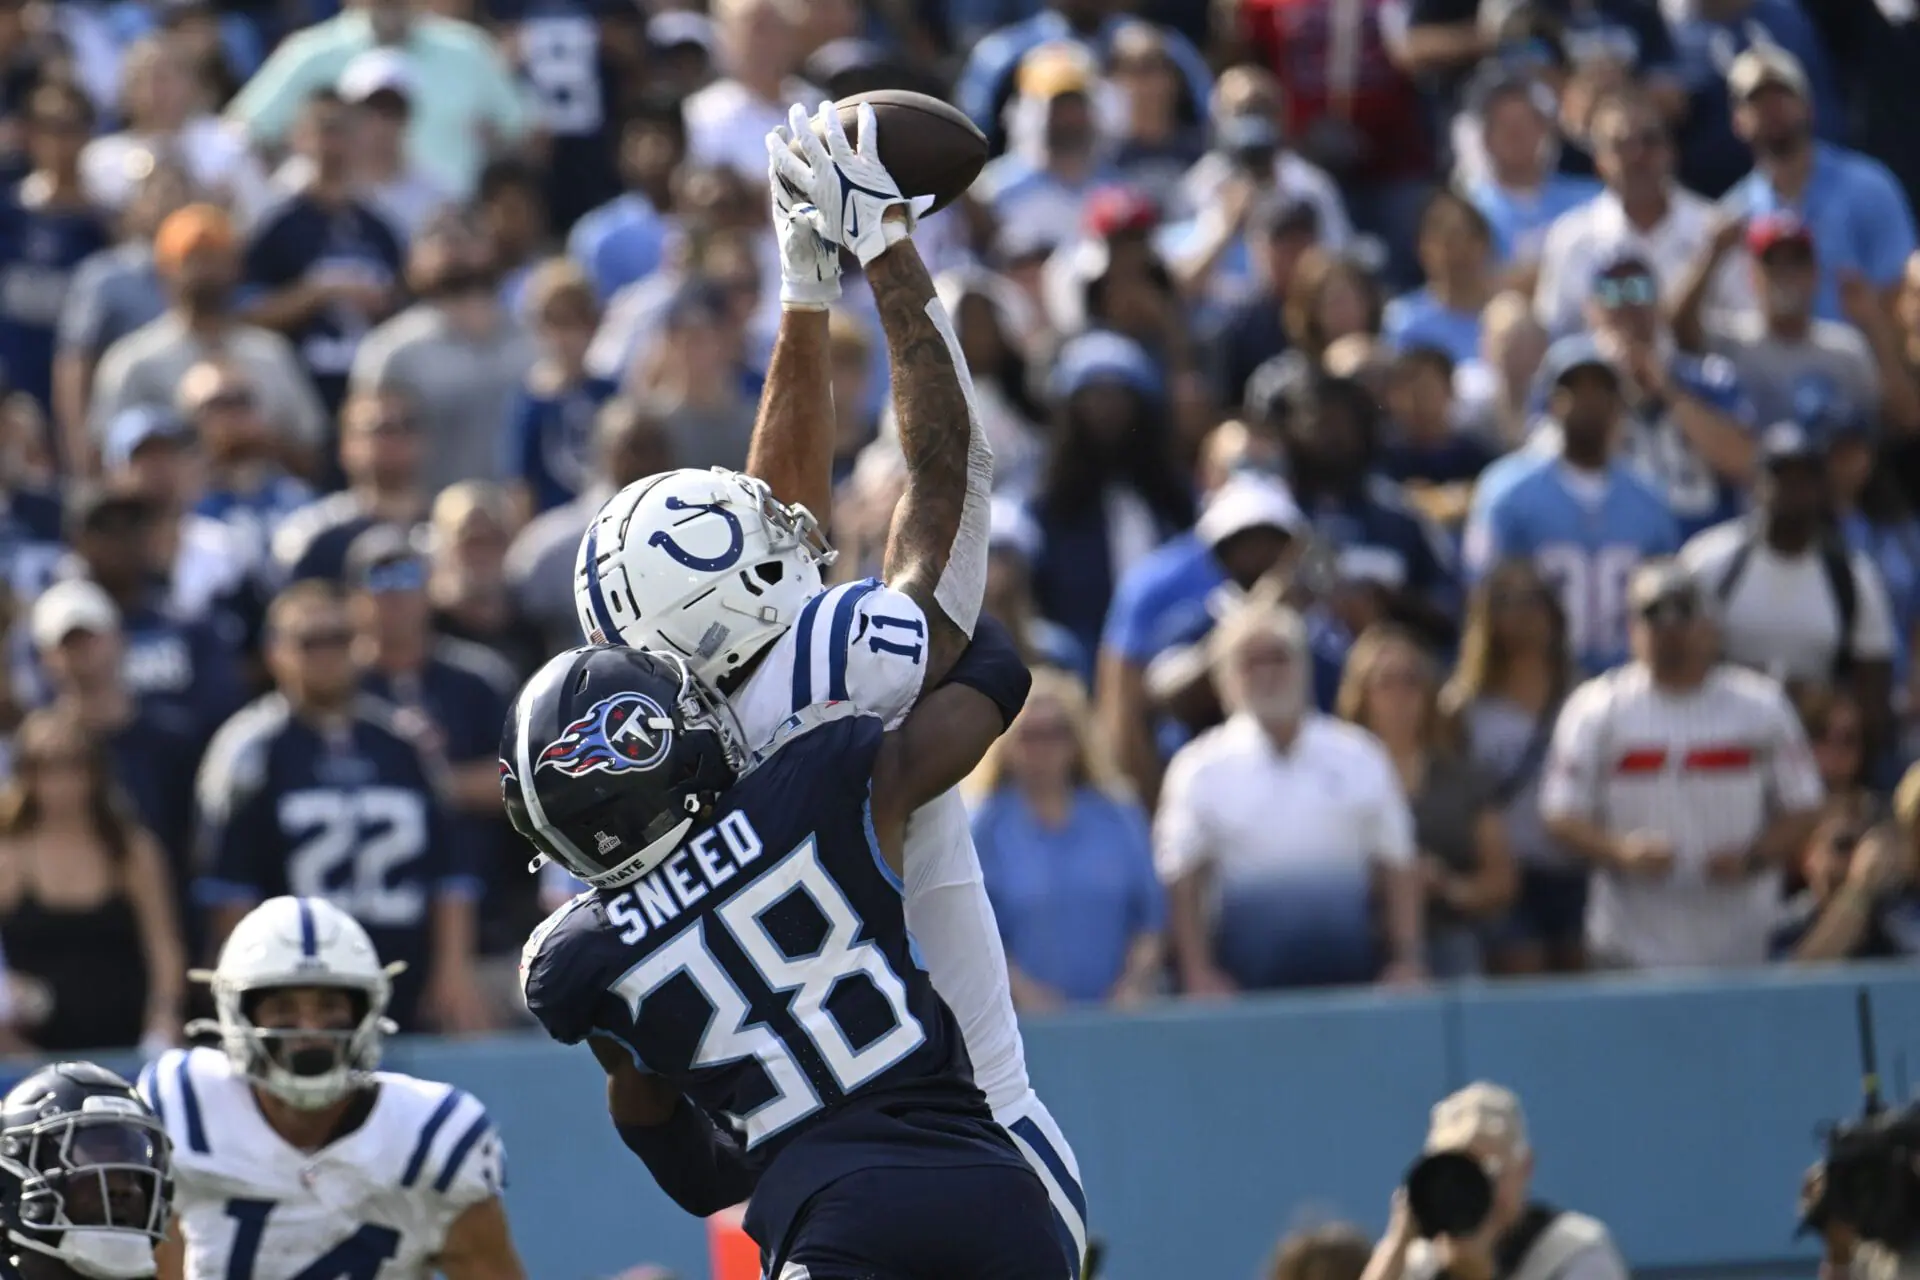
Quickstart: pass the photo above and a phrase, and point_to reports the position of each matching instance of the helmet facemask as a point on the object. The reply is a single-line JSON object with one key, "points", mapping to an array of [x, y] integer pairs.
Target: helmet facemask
{"points": [[308, 1068], [93, 1187]]}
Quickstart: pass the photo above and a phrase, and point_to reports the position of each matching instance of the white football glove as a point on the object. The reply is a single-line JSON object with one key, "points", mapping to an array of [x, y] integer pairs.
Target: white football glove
{"points": [[809, 263], [851, 211]]}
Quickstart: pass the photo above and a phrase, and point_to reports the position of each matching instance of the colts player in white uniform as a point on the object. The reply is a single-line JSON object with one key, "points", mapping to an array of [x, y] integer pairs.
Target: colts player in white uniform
{"points": [[293, 1157], [713, 566]]}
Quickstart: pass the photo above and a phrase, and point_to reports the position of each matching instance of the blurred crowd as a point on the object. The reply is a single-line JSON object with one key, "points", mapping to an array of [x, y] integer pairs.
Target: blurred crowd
{"points": [[1456, 464]]}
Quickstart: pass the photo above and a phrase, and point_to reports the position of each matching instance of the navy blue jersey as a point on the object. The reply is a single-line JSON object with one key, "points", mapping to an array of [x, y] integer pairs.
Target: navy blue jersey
{"points": [[550, 439], [567, 69], [39, 250], [299, 239], [313, 541], [765, 970], [355, 818]]}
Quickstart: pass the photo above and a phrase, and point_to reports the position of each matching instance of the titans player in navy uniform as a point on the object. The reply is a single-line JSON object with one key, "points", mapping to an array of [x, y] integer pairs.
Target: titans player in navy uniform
{"points": [[321, 791], [744, 955], [86, 1177]]}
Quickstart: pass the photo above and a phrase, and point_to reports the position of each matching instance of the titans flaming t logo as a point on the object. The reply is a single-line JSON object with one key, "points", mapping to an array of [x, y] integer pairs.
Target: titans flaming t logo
{"points": [[617, 735]]}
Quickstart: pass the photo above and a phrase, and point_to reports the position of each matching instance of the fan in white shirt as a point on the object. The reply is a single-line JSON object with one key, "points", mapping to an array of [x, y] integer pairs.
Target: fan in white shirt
{"points": [[1643, 212], [728, 121], [165, 121]]}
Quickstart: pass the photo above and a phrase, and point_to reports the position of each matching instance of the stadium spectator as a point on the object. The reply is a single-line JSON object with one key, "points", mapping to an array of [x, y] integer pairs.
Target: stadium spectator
{"points": [[1332, 1252], [997, 329], [1859, 901], [1689, 427], [1330, 297], [988, 80], [1331, 433], [1433, 461], [1500, 706], [457, 354], [1793, 365], [1253, 330], [1853, 208], [86, 903], [76, 633], [50, 227], [197, 255], [1708, 35], [1161, 138], [509, 213], [243, 484], [378, 88], [1255, 904], [1247, 165], [629, 444], [1521, 1236], [380, 455], [1836, 731], [758, 43], [1112, 491], [185, 670], [152, 453], [1012, 542], [1455, 252], [1793, 600], [1067, 859], [1687, 783], [1520, 194], [1056, 153], [1643, 212], [470, 530], [695, 383], [1391, 690], [1573, 510], [549, 436], [466, 101], [625, 240], [164, 118], [322, 266], [320, 791], [112, 293]]}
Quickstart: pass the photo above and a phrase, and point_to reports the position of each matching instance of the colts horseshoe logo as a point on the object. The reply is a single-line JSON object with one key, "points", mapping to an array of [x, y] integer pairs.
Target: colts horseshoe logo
{"points": [[736, 538]]}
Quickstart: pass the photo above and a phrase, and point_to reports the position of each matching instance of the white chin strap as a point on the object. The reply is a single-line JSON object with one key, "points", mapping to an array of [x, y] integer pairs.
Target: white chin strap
{"points": [[107, 1253]]}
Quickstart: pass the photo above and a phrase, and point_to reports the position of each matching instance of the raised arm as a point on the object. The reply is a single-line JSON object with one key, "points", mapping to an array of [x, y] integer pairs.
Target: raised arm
{"points": [[792, 445], [936, 548]]}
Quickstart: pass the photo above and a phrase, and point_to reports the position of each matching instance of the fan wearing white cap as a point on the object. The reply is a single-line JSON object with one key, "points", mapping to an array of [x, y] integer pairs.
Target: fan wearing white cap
{"points": [[294, 1155], [380, 86]]}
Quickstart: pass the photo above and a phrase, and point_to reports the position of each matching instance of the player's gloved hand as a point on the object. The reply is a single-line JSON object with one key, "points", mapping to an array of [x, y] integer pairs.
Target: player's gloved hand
{"points": [[854, 218], [809, 262]]}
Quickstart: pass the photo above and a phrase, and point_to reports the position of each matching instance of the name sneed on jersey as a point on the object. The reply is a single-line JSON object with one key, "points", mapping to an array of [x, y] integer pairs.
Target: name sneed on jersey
{"points": [[703, 863]]}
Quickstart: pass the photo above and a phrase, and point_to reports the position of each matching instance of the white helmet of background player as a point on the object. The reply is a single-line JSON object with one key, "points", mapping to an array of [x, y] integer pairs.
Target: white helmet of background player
{"points": [[301, 942], [703, 564]]}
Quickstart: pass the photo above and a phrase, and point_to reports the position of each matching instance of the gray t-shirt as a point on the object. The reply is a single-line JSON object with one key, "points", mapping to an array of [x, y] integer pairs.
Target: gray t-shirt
{"points": [[464, 387], [113, 293], [709, 437], [1446, 818], [1832, 367], [539, 567], [1499, 734]]}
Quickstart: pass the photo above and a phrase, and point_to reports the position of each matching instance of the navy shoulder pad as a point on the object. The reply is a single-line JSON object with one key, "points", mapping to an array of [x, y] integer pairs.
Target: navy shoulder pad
{"points": [[569, 963]]}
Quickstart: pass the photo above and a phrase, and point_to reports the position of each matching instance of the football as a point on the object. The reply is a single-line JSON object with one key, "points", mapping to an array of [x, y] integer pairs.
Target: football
{"points": [[929, 147]]}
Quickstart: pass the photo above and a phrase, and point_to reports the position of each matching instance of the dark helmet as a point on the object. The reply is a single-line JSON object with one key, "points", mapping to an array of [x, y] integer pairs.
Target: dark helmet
{"points": [[86, 1171], [610, 754]]}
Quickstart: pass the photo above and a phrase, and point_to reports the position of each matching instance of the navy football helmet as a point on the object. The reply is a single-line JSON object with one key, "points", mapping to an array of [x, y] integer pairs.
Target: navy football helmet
{"points": [[86, 1172], [609, 755]]}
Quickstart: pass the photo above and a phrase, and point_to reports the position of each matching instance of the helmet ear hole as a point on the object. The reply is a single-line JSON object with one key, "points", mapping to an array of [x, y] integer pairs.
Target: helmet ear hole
{"points": [[769, 571]]}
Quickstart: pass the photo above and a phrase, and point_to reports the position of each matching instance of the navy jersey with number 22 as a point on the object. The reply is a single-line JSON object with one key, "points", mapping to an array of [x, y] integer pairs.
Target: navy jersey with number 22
{"points": [[765, 970]]}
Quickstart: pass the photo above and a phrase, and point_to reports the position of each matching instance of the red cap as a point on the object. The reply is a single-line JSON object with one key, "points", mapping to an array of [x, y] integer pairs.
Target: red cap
{"points": [[1770, 230], [1111, 211]]}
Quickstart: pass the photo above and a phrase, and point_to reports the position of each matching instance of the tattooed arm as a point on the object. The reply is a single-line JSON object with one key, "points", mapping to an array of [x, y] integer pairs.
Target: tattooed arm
{"points": [[792, 446], [930, 401]]}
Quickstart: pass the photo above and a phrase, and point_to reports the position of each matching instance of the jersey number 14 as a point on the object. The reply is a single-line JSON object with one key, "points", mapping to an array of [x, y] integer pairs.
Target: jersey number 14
{"points": [[358, 1257]]}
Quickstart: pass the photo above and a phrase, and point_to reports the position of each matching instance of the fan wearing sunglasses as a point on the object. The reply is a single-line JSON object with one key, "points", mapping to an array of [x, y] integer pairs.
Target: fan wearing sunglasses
{"points": [[1689, 421], [323, 791]]}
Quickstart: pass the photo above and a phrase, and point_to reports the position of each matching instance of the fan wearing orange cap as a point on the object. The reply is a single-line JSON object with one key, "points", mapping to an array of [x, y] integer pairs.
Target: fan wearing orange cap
{"points": [[196, 253], [1055, 141]]}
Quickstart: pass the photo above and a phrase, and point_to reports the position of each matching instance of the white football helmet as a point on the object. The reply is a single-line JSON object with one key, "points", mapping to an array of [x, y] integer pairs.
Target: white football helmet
{"points": [[300, 942], [703, 564]]}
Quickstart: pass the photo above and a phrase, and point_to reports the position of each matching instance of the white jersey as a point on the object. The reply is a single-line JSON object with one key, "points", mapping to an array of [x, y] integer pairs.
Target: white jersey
{"points": [[375, 1205], [865, 643], [1709, 770]]}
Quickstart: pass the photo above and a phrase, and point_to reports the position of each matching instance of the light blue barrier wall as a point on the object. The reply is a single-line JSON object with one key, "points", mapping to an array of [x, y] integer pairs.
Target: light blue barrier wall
{"points": [[1682, 1112]]}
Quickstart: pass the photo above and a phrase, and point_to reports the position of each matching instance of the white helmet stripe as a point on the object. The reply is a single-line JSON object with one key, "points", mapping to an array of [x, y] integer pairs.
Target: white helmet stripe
{"points": [[544, 681]]}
